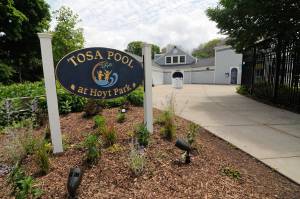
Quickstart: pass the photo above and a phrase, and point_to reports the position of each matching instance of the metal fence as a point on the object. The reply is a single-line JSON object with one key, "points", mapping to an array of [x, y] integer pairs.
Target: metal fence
{"points": [[271, 72]]}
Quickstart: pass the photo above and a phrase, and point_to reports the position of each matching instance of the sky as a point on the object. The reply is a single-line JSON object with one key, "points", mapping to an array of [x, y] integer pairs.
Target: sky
{"points": [[115, 23]]}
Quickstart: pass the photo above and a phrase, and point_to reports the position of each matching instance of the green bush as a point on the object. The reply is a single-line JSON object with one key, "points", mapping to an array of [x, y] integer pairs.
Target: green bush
{"points": [[92, 144], [121, 117], [136, 97], [92, 107], [243, 90], [142, 135], [115, 102]]}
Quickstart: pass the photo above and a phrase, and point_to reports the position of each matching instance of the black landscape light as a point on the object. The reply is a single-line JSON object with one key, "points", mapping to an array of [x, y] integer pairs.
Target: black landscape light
{"points": [[74, 181], [181, 144]]}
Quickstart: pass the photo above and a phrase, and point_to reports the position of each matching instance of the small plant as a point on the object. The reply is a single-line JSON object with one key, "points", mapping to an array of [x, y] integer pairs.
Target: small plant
{"points": [[168, 130], [193, 129], [109, 135], [22, 186], [100, 122], [92, 144], [29, 144], [137, 162], [92, 107], [42, 156], [242, 90], [120, 117], [142, 135], [231, 172], [115, 148]]}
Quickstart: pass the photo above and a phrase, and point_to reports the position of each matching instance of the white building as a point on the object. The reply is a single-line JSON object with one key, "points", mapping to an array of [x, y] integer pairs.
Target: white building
{"points": [[224, 68]]}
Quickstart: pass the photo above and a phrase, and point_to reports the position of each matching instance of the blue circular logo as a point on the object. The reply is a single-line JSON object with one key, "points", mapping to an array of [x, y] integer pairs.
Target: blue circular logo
{"points": [[103, 74]]}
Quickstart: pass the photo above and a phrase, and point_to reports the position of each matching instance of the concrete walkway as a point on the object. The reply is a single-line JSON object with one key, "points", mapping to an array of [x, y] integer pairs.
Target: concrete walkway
{"points": [[269, 134]]}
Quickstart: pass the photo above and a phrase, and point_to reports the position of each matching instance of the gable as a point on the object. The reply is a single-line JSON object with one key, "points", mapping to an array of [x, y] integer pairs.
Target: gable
{"points": [[174, 54]]}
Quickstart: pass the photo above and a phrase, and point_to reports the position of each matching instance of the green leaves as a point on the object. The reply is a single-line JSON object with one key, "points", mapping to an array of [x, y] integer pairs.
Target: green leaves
{"points": [[246, 22], [207, 50], [67, 37], [135, 47]]}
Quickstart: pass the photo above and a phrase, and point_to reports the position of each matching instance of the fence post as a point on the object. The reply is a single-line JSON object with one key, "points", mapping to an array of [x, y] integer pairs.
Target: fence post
{"points": [[253, 70], [277, 70], [48, 69]]}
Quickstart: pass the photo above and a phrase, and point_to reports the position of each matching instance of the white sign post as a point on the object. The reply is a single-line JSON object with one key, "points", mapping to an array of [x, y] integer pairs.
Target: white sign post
{"points": [[148, 111], [49, 77]]}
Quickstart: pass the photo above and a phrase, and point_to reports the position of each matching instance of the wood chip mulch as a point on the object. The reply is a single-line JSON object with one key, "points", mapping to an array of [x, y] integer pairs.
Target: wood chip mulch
{"points": [[163, 177]]}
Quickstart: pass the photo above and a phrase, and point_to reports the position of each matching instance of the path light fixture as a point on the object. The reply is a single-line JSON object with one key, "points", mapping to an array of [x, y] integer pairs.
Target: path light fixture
{"points": [[181, 144], [74, 180]]}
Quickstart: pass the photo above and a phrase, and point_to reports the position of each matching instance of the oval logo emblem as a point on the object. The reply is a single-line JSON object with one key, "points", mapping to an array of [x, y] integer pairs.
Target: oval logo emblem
{"points": [[99, 73]]}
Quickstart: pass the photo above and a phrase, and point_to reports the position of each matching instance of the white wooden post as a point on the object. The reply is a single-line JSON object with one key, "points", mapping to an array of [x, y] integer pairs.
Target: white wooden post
{"points": [[49, 77], [148, 111]]}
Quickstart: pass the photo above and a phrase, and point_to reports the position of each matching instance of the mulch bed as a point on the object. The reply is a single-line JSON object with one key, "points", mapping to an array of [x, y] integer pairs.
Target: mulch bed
{"points": [[163, 177]]}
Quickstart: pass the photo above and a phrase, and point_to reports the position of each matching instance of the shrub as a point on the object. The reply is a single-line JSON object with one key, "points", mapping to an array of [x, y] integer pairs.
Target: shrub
{"points": [[115, 148], [193, 129], [109, 135], [92, 144], [242, 90], [231, 172], [92, 107], [168, 130], [136, 162], [142, 135], [136, 97], [42, 156], [23, 186], [120, 117], [115, 102], [100, 122]]}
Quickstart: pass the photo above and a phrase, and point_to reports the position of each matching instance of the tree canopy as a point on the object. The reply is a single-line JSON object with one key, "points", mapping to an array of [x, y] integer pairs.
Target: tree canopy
{"points": [[67, 36], [246, 22], [135, 47], [20, 21], [207, 49]]}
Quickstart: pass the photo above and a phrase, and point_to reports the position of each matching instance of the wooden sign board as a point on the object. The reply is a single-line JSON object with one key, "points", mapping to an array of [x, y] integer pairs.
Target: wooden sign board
{"points": [[99, 73]]}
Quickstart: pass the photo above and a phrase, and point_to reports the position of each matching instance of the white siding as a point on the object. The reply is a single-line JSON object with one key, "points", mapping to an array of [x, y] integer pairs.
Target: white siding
{"points": [[226, 58], [203, 77], [167, 78], [157, 77], [187, 77]]}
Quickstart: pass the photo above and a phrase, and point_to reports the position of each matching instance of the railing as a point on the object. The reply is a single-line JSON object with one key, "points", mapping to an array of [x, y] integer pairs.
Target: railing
{"points": [[271, 72]]}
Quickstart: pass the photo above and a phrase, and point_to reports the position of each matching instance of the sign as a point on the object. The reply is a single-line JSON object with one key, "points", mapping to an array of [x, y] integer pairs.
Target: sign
{"points": [[99, 73]]}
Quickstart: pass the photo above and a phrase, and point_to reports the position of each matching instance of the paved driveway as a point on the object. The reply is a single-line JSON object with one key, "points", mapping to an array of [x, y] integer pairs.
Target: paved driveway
{"points": [[270, 134]]}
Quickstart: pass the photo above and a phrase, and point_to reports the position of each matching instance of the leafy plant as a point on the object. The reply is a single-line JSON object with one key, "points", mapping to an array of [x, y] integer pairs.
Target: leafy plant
{"points": [[136, 162], [231, 172], [100, 122], [242, 89], [121, 117], [22, 186], [109, 135], [92, 144], [142, 135], [193, 129], [42, 156]]}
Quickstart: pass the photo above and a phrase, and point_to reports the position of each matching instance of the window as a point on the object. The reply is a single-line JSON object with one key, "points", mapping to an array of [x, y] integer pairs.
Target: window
{"points": [[175, 59], [168, 60], [182, 59]]}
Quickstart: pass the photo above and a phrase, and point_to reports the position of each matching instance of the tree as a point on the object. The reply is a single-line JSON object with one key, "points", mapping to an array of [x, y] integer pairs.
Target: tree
{"points": [[135, 47], [67, 37], [20, 21], [207, 49], [246, 22]]}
